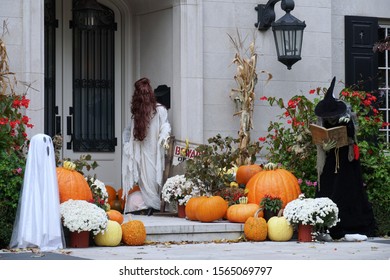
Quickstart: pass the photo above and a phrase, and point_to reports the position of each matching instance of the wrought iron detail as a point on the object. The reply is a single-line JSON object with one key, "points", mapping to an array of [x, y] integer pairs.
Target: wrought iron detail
{"points": [[93, 78]]}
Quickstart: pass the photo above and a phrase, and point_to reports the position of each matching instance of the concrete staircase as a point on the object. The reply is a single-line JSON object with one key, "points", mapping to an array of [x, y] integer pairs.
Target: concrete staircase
{"points": [[169, 228]]}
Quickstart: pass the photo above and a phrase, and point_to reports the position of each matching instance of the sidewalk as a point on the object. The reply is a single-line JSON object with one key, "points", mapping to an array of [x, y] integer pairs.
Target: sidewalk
{"points": [[172, 238]]}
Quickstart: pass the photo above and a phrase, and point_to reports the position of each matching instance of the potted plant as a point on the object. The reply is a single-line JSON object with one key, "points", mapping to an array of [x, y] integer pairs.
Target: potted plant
{"points": [[271, 206], [81, 218], [317, 214], [179, 190]]}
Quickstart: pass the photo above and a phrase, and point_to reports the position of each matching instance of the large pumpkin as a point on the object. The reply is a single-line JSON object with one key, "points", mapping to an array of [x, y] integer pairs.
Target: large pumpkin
{"points": [[71, 184], [115, 215], [239, 213], [211, 209], [111, 236], [273, 181], [255, 228], [192, 205], [245, 172], [279, 229], [133, 233]]}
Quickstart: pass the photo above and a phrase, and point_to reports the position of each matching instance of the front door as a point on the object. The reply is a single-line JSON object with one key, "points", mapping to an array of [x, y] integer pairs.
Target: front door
{"points": [[90, 89]]}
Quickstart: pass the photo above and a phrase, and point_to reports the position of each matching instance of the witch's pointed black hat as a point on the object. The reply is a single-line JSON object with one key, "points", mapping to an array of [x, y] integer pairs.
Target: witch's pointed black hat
{"points": [[329, 107]]}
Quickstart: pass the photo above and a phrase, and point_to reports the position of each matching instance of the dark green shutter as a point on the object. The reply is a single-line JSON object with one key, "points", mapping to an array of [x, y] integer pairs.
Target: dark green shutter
{"points": [[361, 63]]}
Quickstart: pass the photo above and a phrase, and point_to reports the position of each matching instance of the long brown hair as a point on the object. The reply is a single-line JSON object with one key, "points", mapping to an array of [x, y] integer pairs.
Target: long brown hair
{"points": [[143, 107]]}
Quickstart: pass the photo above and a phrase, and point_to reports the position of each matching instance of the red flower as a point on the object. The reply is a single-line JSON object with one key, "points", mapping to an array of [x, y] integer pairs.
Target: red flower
{"points": [[25, 102], [312, 91], [262, 139], [263, 98], [3, 121]]}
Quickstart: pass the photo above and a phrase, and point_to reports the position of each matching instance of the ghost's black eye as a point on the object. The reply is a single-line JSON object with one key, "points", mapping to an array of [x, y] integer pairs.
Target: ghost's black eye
{"points": [[44, 139]]}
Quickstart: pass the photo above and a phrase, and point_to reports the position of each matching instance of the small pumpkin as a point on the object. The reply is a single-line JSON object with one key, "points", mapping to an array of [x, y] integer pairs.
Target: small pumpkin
{"points": [[133, 233], [115, 215], [211, 209], [71, 184], [111, 193], [239, 213], [273, 181], [279, 229], [245, 172], [117, 204], [192, 205], [111, 236], [255, 228]]}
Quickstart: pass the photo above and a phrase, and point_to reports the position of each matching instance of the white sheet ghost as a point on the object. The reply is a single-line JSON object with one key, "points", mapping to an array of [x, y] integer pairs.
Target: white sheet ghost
{"points": [[38, 219]]}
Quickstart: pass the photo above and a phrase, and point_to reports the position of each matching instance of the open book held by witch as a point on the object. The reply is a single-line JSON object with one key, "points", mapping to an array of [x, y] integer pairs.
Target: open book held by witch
{"points": [[322, 135]]}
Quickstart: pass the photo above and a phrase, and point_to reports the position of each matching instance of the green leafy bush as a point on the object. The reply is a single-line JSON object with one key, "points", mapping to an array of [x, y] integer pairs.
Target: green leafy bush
{"points": [[11, 180], [211, 167]]}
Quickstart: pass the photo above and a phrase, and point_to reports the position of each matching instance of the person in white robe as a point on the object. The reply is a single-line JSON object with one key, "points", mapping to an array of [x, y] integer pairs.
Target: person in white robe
{"points": [[38, 220], [144, 144]]}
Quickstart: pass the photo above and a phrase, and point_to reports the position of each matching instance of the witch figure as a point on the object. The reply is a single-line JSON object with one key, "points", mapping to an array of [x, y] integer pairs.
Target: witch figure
{"points": [[339, 172], [38, 221]]}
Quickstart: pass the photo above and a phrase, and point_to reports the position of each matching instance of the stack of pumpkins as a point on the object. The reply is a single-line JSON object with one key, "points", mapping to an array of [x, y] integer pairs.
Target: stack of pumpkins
{"points": [[131, 233], [72, 185], [258, 182]]}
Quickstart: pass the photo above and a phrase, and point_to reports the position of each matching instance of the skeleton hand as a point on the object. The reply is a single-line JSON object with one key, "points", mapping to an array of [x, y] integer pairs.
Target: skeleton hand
{"points": [[329, 145], [165, 143], [344, 119]]}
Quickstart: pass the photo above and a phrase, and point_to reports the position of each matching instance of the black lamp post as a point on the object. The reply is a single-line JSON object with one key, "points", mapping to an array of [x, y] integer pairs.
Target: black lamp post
{"points": [[288, 30]]}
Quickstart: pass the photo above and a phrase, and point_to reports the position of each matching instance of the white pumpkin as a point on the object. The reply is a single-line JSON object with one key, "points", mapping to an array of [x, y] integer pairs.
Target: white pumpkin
{"points": [[111, 237], [279, 229]]}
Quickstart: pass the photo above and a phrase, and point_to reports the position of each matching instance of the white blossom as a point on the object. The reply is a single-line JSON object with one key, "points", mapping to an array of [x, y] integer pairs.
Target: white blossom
{"points": [[320, 212], [178, 188], [81, 215]]}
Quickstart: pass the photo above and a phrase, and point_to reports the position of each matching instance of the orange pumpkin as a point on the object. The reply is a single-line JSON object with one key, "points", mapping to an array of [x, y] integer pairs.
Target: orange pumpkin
{"points": [[115, 215], [255, 228], [133, 233], [239, 213], [192, 205], [111, 193], [212, 208], [245, 172], [71, 184], [273, 181]]}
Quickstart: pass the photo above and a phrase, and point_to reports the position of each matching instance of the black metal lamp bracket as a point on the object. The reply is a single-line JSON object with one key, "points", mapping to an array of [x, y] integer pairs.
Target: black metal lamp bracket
{"points": [[266, 13]]}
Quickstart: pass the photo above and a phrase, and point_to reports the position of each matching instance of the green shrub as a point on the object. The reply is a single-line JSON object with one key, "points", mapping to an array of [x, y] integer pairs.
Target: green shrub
{"points": [[11, 180], [211, 167]]}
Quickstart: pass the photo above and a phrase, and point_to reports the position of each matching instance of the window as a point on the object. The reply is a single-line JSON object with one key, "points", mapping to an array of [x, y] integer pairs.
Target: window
{"points": [[384, 80]]}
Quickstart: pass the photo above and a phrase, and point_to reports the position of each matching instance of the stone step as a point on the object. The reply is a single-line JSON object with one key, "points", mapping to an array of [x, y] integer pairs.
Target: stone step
{"points": [[167, 228]]}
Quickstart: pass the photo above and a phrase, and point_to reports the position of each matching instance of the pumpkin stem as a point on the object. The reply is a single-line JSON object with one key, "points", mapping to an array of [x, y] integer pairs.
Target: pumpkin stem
{"points": [[257, 212], [243, 200], [69, 165], [270, 166], [280, 213]]}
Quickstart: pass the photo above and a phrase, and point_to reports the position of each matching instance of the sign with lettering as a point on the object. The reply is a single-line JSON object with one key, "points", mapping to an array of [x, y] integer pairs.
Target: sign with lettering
{"points": [[183, 150]]}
